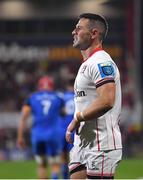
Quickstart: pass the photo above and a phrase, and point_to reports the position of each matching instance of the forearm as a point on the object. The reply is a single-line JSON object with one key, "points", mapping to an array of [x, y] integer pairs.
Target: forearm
{"points": [[73, 125], [23, 120], [21, 129], [103, 103], [98, 108]]}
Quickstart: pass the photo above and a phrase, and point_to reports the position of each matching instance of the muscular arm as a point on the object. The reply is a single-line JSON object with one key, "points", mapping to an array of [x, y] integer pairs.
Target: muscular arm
{"points": [[26, 110], [103, 103]]}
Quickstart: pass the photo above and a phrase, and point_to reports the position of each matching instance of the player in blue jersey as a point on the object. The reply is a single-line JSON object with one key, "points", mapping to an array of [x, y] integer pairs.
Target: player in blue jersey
{"points": [[45, 106], [68, 97]]}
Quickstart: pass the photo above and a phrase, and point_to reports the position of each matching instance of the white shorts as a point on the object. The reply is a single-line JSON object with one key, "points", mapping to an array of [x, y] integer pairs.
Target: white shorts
{"points": [[96, 163]]}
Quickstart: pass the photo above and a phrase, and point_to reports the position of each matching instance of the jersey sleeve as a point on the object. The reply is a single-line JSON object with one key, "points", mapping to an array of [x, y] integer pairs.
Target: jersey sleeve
{"points": [[102, 73]]}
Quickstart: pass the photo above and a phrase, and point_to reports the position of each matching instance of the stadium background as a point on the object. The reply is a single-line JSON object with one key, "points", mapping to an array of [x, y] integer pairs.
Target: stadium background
{"points": [[35, 39]]}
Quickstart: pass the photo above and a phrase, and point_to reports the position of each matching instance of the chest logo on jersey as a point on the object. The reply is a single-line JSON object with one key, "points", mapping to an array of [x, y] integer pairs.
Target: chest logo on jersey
{"points": [[80, 93], [83, 68], [106, 69]]}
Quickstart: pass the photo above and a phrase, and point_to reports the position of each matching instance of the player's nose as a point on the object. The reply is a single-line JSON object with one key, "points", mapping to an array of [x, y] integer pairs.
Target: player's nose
{"points": [[74, 32]]}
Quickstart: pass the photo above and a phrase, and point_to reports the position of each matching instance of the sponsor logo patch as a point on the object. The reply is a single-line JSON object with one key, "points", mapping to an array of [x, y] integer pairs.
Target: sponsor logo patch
{"points": [[106, 69]]}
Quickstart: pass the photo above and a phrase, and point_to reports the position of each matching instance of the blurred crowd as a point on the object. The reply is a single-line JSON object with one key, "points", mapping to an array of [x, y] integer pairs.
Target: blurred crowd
{"points": [[18, 79]]}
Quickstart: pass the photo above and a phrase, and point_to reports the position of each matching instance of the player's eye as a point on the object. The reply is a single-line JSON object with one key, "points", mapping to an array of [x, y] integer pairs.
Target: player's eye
{"points": [[78, 28]]}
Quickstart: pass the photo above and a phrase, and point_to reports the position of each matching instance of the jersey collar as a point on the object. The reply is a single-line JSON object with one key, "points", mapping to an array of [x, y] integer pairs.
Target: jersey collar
{"points": [[95, 50]]}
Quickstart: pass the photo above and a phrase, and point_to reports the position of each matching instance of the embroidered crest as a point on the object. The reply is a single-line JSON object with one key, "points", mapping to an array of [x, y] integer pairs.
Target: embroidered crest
{"points": [[106, 69]]}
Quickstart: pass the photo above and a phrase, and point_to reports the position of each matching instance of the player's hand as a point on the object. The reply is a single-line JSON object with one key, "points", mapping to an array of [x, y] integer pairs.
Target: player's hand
{"points": [[72, 126], [20, 143]]}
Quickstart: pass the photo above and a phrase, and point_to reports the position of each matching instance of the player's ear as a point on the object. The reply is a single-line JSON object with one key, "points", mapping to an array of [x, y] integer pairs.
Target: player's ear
{"points": [[94, 33]]}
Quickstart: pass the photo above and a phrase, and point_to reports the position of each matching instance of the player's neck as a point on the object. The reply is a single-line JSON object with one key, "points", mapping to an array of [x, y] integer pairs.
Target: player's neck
{"points": [[87, 53]]}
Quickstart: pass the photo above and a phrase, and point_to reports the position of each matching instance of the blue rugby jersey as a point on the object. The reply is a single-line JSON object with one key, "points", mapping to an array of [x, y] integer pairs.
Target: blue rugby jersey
{"points": [[45, 108]]}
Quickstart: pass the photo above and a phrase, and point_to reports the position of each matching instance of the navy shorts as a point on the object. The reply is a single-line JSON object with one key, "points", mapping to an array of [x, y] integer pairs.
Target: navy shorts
{"points": [[48, 148]]}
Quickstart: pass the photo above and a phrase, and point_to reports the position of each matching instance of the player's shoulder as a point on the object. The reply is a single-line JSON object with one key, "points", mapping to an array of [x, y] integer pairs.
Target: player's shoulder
{"points": [[101, 62], [100, 56]]}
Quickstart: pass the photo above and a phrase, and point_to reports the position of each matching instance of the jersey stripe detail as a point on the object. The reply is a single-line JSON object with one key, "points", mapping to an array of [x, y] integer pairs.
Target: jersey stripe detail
{"points": [[89, 172], [98, 143], [102, 166], [113, 134], [76, 167], [104, 81], [113, 138], [100, 175]]}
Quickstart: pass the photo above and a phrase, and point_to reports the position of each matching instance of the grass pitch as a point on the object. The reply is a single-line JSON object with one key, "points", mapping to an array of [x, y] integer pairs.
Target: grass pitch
{"points": [[130, 169], [127, 169]]}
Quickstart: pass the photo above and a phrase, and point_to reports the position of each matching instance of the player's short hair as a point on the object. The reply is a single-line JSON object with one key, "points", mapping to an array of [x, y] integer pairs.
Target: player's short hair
{"points": [[97, 21]]}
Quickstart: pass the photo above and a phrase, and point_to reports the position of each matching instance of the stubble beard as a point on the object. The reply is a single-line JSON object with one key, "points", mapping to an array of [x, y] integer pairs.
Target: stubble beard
{"points": [[78, 44], [75, 43], [81, 46]]}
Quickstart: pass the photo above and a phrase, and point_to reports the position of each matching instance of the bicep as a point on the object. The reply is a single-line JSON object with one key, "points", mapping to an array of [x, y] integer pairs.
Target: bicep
{"points": [[107, 93]]}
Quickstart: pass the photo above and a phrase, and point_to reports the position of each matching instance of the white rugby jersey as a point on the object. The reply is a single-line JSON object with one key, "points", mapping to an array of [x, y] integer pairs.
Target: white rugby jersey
{"points": [[102, 133]]}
